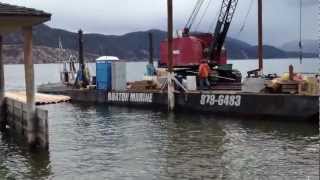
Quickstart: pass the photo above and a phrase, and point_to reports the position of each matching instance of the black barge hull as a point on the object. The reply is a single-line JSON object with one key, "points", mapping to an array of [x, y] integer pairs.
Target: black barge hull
{"points": [[215, 102]]}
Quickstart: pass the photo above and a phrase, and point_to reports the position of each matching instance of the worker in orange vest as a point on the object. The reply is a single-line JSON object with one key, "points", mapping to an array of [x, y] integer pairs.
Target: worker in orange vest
{"points": [[204, 71]]}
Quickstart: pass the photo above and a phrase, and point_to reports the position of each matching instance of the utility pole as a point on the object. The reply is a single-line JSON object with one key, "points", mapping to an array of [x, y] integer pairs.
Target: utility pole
{"points": [[260, 37], [171, 102]]}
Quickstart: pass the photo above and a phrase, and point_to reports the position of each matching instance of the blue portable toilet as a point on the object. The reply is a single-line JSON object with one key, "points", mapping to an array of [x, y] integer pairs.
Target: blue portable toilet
{"points": [[104, 72]]}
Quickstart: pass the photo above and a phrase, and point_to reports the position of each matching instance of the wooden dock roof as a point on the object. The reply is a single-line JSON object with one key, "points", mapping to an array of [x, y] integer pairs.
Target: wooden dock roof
{"points": [[13, 10], [13, 17]]}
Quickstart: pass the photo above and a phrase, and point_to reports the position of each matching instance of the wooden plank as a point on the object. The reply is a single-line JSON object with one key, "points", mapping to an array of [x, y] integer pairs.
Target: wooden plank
{"points": [[40, 99]]}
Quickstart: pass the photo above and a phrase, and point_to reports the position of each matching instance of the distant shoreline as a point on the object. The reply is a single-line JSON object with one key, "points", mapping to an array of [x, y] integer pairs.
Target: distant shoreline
{"points": [[133, 61]]}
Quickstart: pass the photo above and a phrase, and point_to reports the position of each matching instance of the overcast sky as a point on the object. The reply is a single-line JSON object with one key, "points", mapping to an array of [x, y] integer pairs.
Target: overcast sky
{"points": [[281, 17]]}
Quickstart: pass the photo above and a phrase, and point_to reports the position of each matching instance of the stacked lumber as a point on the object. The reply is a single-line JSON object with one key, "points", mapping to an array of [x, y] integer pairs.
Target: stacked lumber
{"points": [[143, 85], [291, 87], [302, 85], [226, 86]]}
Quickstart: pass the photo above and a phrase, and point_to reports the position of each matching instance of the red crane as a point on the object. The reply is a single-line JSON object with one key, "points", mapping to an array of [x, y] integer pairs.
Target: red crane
{"points": [[193, 47]]}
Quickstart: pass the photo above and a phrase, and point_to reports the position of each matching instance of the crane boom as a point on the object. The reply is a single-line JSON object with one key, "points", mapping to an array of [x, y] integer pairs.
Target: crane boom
{"points": [[227, 11]]}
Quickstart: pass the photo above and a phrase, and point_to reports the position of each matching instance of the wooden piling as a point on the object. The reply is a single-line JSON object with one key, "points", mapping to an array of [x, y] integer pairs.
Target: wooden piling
{"points": [[2, 90], [171, 100], [170, 35], [85, 80], [150, 48], [81, 58], [30, 85], [291, 72], [260, 36]]}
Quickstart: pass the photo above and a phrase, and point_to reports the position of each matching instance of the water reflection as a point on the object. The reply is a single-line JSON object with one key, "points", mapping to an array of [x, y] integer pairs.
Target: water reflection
{"points": [[17, 161], [194, 147], [272, 149], [282, 128], [109, 142]]}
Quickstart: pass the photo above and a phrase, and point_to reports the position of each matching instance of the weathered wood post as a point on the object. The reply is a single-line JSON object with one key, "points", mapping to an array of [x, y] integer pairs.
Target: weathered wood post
{"points": [[171, 100], [85, 80], [2, 90], [30, 86], [81, 59], [150, 48], [260, 37]]}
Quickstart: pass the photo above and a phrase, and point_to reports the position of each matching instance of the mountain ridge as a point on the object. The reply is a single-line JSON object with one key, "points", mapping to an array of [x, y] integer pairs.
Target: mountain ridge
{"points": [[132, 46], [308, 45]]}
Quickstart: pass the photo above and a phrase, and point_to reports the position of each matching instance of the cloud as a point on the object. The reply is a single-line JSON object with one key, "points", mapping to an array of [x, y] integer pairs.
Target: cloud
{"points": [[121, 16]]}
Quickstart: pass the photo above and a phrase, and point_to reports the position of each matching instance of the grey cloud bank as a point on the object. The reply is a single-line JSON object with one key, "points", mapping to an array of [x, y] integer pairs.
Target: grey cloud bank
{"points": [[281, 17]]}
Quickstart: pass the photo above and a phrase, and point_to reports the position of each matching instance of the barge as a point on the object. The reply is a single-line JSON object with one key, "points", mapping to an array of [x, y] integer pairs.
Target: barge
{"points": [[231, 103], [182, 57]]}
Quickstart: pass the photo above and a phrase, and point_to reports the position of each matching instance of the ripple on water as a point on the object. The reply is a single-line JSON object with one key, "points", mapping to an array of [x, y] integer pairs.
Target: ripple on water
{"points": [[101, 142]]}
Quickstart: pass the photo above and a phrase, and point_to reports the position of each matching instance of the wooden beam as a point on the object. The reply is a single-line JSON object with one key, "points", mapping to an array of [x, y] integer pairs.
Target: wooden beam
{"points": [[2, 89], [30, 85]]}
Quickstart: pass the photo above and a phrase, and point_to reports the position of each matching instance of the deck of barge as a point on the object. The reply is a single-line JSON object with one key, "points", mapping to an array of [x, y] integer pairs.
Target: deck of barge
{"points": [[216, 102]]}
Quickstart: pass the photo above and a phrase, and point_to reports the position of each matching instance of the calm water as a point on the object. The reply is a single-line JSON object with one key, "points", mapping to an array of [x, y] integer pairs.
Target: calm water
{"points": [[103, 142]]}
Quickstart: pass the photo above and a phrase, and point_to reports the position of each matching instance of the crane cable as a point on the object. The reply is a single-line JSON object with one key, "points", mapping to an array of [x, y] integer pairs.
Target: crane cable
{"points": [[245, 19], [300, 34], [197, 12], [204, 13], [211, 26], [191, 17], [194, 14]]}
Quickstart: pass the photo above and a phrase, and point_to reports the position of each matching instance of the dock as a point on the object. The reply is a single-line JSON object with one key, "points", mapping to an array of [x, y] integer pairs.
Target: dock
{"points": [[22, 116], [15, 117], [40, 98]]}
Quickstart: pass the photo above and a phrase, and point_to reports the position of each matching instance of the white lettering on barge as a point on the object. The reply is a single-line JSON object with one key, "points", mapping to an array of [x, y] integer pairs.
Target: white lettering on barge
{"points": [[220, 100], [130, 97]]}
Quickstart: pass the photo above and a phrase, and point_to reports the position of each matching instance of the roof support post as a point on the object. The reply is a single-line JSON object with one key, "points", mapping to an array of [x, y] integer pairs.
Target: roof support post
{"points": [[30, 85], [2, 90]]}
